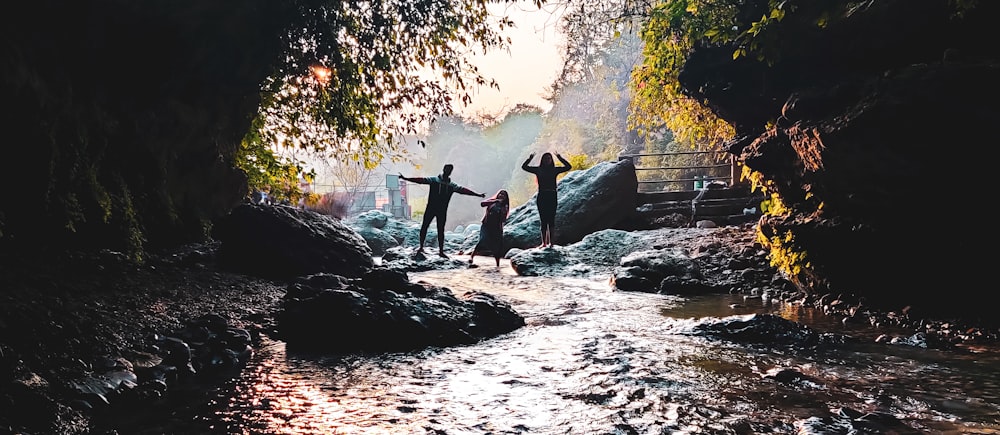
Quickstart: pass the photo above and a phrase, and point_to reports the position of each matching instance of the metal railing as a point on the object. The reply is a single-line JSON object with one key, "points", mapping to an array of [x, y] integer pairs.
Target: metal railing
{"points": [[671, 171]]}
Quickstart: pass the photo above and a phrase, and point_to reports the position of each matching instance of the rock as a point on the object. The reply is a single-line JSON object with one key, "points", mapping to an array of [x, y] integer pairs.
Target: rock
{"points": [[845, 158], [766, 329], [372, 218], [378, 241], [705, 223], [285, 242], [596, 253], [383, 312], [590, 200], [380, 230], [539, 261], [407, 259]]}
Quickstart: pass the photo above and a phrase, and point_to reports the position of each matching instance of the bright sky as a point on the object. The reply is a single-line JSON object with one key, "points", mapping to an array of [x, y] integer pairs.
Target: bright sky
{"points": [[532, 63]]}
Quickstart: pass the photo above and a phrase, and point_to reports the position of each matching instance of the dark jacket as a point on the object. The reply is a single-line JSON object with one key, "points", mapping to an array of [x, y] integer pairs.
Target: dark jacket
{"points": [[440, 191]]}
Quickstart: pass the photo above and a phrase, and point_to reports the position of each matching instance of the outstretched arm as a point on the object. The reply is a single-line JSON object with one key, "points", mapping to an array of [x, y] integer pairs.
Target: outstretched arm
{"points": [[566, 165], [418, 180], [464, 191], [525, 166]]}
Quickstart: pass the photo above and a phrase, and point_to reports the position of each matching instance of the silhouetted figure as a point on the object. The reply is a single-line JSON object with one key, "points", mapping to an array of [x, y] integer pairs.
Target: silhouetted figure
{"points": [[491, 232], [545, 175], [441, 188]]}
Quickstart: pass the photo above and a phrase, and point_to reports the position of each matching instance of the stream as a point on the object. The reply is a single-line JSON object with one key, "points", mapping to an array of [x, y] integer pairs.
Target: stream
{"points": [[592, 360]]}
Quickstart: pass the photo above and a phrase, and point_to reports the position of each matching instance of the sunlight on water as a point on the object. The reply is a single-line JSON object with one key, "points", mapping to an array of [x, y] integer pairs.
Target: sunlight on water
{"points": [[595, 361]]}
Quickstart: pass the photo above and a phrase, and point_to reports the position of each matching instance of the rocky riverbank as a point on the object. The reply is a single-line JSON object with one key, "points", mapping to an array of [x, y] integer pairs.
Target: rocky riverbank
{"points": [[66, 317]]}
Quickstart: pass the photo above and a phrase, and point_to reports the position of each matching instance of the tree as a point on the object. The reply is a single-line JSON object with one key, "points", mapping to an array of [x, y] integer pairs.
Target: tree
{"points": [[130, 116], [590, 114], [353, 181], [359, 75], [668, 29]]}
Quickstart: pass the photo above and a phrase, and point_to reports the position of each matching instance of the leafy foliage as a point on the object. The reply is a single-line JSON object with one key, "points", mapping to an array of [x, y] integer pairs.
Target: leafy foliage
{"points": [[130, 116], [266, 172], [579, 162], [756, 31], [672, 31], [785, 255], [358, 75]]}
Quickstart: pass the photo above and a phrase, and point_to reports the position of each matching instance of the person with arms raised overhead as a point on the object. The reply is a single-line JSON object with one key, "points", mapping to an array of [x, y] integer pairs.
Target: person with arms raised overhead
{"points": [[491, 231], [438, 197], [545, 176]]}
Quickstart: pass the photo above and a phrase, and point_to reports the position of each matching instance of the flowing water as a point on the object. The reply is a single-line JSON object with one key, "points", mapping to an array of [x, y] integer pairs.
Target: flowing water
{"points": [[596, 361]]}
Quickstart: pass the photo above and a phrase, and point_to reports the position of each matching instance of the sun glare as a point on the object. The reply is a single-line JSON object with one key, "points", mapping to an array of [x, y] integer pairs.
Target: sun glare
{"points": [[322, 73]]}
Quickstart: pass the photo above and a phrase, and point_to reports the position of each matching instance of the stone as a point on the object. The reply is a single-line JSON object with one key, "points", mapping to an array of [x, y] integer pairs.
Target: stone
{"points": [[286, 242]]}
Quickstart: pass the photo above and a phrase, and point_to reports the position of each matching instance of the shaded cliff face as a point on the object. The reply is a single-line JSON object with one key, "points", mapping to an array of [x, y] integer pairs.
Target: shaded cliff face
{"points": [[878, 143], [123, 117]]}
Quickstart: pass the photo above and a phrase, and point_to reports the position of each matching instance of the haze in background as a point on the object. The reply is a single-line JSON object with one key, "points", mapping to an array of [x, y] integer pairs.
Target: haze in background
{"points": [[485, 156], [525, 71], [586, 123], [488, 140]]}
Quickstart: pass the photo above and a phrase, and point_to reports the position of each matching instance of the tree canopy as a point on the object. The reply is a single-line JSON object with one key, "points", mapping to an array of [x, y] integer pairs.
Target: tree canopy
{"points": [[130, 116]]}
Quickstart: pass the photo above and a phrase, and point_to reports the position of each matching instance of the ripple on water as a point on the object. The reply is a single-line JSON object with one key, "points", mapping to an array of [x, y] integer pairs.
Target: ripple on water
{"points": [[591, 360]]}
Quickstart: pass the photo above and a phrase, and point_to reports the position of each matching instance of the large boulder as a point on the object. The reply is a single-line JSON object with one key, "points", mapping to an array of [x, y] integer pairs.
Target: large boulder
{"points": [[384, 311], [378, 241], [590, 200], [284, 242]]}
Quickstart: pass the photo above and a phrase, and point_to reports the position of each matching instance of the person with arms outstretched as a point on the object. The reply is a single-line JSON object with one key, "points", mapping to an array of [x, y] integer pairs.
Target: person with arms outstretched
{"points": [[545, 176], [438, 197], [491, 231]]}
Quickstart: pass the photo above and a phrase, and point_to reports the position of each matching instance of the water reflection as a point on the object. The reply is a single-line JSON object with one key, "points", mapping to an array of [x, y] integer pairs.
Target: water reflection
{"points": [[591, 360]]}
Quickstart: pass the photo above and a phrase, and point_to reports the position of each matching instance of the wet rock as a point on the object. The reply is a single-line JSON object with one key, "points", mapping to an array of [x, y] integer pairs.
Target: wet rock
{"points": [[548, 261], [176, 352], [360, 318], [680, 285], [632, 279], [765, 329], [285, 242], [647, 270], [787, 375], [408, 259], [597, 253]]}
